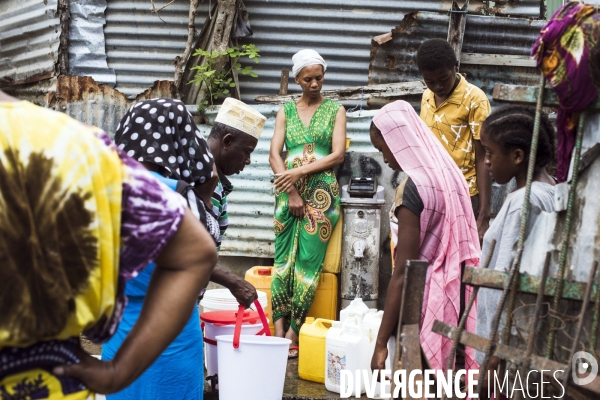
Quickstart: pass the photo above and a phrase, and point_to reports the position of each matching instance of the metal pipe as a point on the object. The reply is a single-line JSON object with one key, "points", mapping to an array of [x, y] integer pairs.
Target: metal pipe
{"points": [[560, 278], [596, 319], [463, 319], [536, 316], [525, 212], [586, 300], [514, 268]]}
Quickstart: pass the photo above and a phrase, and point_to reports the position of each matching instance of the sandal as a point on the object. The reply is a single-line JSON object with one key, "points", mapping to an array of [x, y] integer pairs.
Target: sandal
{"points": [[293, 352]]}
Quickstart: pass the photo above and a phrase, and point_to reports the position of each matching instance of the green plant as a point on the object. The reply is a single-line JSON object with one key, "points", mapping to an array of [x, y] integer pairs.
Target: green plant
{"points": [[218, 83]]}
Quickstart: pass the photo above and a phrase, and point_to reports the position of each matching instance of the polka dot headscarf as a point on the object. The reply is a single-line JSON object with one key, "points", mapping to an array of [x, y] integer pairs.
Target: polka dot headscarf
{"points": [[162, 132]]}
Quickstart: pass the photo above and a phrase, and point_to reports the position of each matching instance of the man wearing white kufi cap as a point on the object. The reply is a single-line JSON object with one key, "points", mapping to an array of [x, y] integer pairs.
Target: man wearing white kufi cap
{"points": [[233, 138]]}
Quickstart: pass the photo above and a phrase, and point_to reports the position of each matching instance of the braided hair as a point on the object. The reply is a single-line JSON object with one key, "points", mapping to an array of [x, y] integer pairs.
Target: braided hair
{"points": [[512, 128]]}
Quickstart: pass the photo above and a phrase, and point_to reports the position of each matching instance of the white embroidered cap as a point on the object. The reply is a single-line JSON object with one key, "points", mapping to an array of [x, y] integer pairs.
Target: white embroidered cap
{"points": [[241, 116]]}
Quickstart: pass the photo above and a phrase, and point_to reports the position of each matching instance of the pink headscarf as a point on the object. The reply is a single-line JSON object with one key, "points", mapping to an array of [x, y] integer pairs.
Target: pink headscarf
{"points": [[448, 230]]}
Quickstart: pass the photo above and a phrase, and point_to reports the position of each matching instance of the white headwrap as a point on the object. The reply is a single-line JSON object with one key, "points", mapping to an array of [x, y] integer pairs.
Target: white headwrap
{"points": [[304, 58]]}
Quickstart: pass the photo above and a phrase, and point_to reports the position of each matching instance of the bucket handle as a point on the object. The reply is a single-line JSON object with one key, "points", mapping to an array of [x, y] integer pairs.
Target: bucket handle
{"points": [[238, 323]]}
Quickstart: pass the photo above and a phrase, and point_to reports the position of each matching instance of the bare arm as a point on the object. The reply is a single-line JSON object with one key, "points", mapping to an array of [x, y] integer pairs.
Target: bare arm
{"points": [[243, 291], [409, 234], [484, 185], [182, 270], [295, 202], [277, 143], [286, 179]]}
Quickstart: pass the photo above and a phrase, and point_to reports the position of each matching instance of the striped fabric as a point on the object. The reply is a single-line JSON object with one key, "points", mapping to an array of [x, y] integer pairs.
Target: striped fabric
{"points": [[219, 200]]}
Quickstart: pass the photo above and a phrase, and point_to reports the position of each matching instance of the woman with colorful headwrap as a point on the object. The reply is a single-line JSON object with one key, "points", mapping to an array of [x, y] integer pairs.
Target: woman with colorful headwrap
{"points": [[307, 207], [435, 224], [79, 218], [162, 135], [568, 54]]}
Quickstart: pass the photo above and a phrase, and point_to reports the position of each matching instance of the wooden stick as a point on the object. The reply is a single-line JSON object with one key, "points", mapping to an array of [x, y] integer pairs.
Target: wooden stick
{"points": [[283, 84]]}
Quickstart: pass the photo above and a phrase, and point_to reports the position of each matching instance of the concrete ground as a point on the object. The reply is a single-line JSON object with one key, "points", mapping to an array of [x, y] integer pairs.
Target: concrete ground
{"points": [[295, 388]]}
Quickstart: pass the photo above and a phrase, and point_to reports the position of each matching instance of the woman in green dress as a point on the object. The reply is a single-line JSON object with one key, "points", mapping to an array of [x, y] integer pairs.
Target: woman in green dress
{"points": [[307, 207]]}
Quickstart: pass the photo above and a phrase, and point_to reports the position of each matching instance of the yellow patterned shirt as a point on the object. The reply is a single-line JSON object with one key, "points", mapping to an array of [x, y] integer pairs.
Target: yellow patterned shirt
{"points": [[456, 123]]}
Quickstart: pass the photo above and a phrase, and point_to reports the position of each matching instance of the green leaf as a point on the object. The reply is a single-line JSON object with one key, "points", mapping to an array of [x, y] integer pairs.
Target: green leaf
{"points": [[232, 85], [254, 74], [226, 91]]}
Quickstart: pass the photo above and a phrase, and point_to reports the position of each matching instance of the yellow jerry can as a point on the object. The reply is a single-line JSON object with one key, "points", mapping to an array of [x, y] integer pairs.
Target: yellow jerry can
{"points": [[324, 304], [311, 358]]}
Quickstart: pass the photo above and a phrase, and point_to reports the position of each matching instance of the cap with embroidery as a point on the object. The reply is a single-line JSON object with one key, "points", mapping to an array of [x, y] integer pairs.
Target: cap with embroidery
{"points": [[241, 116]]}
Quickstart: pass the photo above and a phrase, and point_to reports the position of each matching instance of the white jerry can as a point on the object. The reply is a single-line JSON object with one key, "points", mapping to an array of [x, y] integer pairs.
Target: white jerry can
{"points": [[346, 349], [356, 307]]}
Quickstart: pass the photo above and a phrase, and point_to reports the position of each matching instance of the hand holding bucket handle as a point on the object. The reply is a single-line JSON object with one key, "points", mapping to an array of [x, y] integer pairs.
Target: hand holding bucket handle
{"points": [[238, 323]]}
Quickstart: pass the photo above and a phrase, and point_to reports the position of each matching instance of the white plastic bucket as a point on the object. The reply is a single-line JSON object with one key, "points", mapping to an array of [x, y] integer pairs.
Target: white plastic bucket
{"points": [[254, 371], [211, 331], [222, 300]]}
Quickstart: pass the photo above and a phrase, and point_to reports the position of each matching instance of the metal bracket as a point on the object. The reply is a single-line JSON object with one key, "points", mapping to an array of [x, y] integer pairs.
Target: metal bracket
{"points": [[529, 94], [408, 345], [528, 283]]}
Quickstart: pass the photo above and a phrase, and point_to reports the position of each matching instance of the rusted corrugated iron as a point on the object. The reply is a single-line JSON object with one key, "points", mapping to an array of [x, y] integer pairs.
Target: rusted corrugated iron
{"points": [[98, 104], [31, 34], [394, 59], [341, 32], [40, 93]]}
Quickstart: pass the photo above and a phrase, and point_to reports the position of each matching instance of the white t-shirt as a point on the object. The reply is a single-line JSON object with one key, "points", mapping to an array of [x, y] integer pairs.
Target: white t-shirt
{"points": [[505, 230]]}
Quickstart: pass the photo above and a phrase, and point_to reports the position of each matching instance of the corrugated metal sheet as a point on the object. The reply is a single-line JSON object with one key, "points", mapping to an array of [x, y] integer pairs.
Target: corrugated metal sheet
{"points": [[29, 40], [87, 48], [86, 100], [339, 30], [394, 61], [40, 93], [98, 104], [140, 46], [250, 231]]}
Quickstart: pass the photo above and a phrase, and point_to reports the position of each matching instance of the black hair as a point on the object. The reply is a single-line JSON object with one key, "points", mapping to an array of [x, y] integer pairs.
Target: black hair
{"points": [[512, 128], [219, 130], [435, 54], [375, 130]]}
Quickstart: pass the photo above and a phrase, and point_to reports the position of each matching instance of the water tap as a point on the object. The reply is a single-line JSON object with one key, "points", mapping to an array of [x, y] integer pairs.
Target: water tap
{"points": [[359, 249]]}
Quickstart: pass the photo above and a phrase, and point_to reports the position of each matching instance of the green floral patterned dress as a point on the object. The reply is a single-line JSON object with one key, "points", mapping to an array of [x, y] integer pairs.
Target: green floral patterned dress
{"points": [[301, 243]]}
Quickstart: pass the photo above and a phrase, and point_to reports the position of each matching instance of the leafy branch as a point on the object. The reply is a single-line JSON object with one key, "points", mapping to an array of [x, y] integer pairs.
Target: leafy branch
{"points": [[219, 83]]}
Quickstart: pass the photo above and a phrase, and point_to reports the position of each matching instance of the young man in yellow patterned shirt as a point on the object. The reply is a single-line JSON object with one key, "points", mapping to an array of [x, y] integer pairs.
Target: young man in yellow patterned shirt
{"points": [[454, 110]]}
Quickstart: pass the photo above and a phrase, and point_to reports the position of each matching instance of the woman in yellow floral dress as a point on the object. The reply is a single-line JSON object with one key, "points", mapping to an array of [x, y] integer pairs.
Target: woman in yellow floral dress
{"points": [[307, 208]]}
